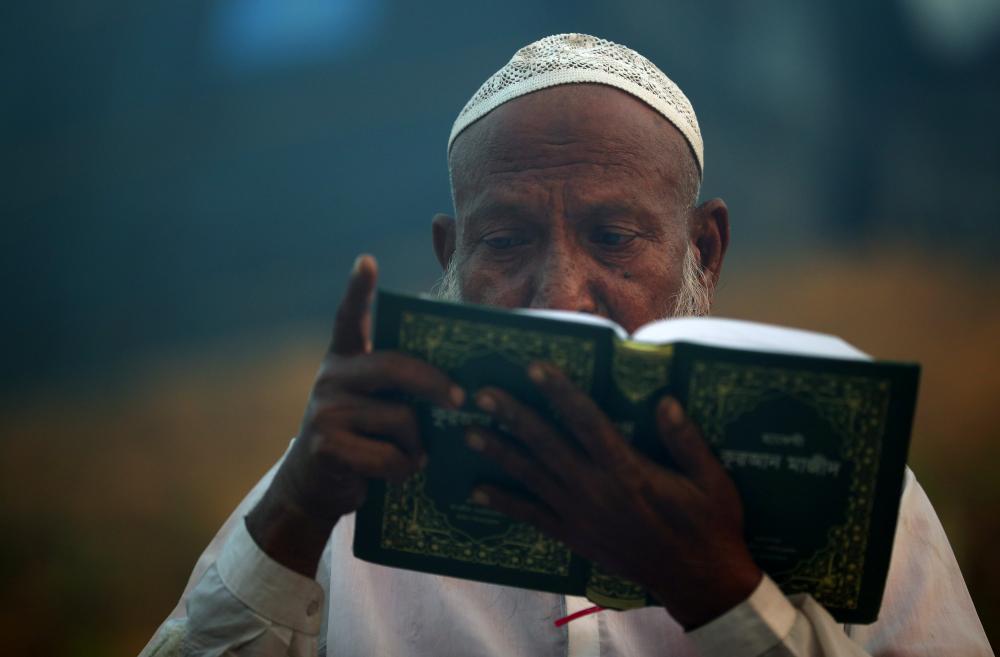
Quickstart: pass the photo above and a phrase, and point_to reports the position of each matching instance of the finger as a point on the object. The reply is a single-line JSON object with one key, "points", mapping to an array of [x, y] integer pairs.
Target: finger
{"points": [[391, 371], [536, 434], [375, 459], [667, 491], [350, 329], [535, 477], [684, 442], [518, 508], [390, 421], [584, 419]]}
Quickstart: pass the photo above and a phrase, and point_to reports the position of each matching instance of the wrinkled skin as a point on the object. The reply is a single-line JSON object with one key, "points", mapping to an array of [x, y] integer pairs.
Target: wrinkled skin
{"points": [[576, 198]]}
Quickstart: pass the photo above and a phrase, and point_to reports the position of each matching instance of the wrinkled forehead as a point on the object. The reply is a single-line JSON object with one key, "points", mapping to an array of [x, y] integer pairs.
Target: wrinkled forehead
{"points": [[586, 131]]}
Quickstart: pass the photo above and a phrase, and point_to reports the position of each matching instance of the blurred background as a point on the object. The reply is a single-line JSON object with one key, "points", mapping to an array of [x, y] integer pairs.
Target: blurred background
{"points": [[186, 184]]}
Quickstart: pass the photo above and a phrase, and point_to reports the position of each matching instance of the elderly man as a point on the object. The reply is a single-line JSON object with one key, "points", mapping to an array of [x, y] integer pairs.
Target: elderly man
{"points": [[575, 171]]}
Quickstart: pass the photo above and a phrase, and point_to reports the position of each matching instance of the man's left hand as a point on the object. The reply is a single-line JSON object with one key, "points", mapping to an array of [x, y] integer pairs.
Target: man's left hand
{"points": [[678, 532]]}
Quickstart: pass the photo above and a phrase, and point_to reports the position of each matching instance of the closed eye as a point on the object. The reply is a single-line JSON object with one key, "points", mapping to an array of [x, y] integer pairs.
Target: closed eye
{"points": [[612, 238], [503, 240]]}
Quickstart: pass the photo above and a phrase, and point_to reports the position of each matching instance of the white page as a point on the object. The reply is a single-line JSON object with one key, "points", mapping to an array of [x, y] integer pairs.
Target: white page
{"points": [[719, 332], [571, 316], [750, 336]]}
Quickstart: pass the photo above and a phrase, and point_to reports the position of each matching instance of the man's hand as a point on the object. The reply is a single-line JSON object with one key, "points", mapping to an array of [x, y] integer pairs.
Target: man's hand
{"points": [[352, 431], [678, 532]]}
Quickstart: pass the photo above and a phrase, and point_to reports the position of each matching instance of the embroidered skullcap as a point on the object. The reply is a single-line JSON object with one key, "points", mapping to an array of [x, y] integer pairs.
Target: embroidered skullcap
{"points": [[581, 58]]}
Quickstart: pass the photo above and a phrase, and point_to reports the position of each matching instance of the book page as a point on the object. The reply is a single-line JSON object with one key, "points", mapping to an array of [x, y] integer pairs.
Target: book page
{"points": [[571, 316], [750, 336]]}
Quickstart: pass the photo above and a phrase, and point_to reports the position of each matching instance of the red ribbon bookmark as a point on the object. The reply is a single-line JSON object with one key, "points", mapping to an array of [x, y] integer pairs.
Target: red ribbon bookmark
{"points": [[580, 614]]}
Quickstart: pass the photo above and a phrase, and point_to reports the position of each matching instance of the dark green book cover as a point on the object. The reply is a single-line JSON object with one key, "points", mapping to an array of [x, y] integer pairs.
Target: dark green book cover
{"points": [[816, 446]]}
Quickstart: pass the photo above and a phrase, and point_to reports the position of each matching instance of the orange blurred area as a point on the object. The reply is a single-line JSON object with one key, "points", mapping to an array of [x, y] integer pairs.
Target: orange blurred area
{"points": [[108, 494]]}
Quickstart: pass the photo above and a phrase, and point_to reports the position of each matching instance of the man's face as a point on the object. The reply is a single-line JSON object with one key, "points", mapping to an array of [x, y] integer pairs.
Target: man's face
{"points": [[573, 198]]}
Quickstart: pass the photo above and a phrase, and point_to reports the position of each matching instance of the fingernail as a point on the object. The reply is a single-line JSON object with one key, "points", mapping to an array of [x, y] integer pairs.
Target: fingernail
{"points": [[356, 267], [486, 402], [536, 373], [675, 414], [457, 396], [475, 441], [480, 497]]}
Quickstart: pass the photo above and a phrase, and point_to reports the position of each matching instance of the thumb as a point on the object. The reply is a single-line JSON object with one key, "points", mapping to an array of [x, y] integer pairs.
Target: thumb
{"points": [[684, 442], [353, 322]]}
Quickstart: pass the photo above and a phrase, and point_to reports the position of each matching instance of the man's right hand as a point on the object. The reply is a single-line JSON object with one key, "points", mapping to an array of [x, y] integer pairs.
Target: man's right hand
{"points": [[353, 430]]}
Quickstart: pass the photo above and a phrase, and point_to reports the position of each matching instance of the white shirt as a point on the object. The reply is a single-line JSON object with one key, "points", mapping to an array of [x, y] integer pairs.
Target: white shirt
{"points": [[241, 602]]}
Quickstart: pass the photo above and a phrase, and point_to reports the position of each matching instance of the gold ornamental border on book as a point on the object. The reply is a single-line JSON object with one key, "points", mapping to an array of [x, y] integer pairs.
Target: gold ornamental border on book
{"points": [[640, 369], [613, 591], [412, 522], [856, 407]]}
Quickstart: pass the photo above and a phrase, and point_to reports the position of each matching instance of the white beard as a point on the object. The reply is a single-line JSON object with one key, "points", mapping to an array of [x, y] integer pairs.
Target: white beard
{"points": [[694, 299]]}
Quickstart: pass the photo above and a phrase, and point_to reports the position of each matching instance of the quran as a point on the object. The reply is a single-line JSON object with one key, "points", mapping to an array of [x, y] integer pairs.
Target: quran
{"points": [[813, 432]]}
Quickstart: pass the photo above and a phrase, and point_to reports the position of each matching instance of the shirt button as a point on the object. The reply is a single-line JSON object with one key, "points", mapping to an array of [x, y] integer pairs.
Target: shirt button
{"points": [[312, 608]]}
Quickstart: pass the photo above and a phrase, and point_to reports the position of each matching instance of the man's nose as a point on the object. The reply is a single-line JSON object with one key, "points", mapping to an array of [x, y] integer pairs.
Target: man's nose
{"points": [[561, 283]]}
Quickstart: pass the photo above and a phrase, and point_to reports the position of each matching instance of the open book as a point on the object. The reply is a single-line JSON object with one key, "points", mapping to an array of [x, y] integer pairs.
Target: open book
{"points": [[813, 432]]}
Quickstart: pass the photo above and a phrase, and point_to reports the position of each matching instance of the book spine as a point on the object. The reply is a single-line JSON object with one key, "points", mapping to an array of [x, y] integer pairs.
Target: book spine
{"points": [[640, 375]]}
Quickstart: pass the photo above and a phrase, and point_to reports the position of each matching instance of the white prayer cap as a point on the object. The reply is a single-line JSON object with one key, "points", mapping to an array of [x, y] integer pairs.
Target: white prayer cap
{"points": [[581, 58]]}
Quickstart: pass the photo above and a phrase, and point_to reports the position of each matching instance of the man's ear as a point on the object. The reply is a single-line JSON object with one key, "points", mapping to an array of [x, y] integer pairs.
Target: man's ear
{"points": [[710, 235], [443, 229]]}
